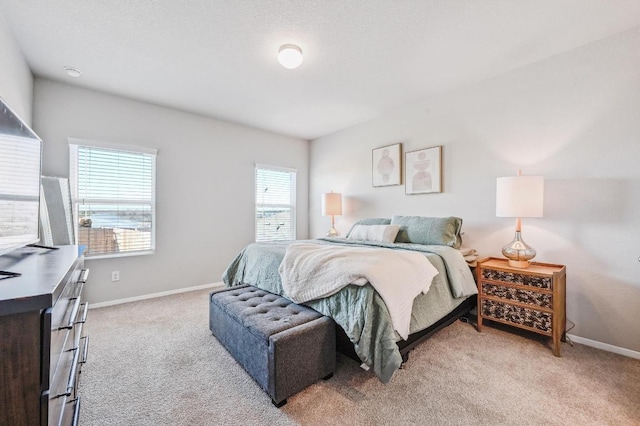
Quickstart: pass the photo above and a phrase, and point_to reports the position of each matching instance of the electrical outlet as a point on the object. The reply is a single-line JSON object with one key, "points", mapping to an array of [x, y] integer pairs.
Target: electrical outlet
{"points": [[115, 276]]}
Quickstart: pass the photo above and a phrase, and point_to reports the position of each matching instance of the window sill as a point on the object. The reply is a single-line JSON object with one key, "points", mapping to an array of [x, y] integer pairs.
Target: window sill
{"points": [[114, 255]]}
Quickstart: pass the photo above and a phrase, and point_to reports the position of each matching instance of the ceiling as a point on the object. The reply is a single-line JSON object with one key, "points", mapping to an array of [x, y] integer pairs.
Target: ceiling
{"points": [[362, 58]]}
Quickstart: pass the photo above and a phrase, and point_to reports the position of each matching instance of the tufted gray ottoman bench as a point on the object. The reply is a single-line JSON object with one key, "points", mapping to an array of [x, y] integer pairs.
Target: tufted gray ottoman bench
{"points": [[285, 347]]}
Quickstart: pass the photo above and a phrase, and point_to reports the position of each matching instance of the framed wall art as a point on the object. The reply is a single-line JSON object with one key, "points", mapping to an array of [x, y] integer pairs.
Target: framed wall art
{"points": [[386, 166], [423, 171]]}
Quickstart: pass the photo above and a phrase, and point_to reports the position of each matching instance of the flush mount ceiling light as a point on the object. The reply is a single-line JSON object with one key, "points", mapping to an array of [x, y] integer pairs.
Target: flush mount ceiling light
{"points": [[73, 72], [290, 56]]}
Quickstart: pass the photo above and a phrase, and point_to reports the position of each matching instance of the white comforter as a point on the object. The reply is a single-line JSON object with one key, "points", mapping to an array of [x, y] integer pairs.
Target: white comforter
{"points": [[310, 271]]}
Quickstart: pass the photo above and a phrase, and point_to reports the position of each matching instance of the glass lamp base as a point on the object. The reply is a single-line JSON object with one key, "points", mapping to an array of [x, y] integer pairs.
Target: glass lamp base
{"points": [[518, 252], [333, 233]]}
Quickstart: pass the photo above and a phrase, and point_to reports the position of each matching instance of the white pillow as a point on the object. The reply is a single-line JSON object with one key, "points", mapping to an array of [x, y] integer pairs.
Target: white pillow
{"points": [[378, 233]]}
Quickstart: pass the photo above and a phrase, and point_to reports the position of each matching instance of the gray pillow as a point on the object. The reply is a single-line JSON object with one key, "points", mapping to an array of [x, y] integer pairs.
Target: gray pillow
{"points": [[370, 221], [442, 231]]}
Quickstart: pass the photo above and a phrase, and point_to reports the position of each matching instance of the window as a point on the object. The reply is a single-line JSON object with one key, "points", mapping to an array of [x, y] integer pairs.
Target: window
{"points": [[275, 203], [113, 191]]}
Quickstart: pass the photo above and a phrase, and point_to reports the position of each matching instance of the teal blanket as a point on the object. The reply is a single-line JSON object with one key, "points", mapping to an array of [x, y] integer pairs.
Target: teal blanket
{"points": [[359, 310]]}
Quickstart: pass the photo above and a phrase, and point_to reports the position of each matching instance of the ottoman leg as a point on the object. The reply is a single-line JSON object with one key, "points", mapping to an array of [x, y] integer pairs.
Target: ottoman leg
{"points": [[279, 404]]}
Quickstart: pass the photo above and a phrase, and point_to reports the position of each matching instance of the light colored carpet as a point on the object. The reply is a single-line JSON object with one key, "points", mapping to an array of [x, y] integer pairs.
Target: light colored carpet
{"points": [[155, 362]]}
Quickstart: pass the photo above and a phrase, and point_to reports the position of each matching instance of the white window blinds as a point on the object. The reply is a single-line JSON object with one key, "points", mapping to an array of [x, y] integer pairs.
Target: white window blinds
{"points": [[275, 203], [114, 195]]}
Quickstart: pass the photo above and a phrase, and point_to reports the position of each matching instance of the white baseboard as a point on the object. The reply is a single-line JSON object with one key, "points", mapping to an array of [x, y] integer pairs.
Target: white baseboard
{"points": [[604, 346], [153, 295]]}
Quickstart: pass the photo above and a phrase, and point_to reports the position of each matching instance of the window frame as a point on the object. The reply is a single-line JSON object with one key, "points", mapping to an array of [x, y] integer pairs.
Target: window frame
{"points": [[76, 201], [293, 173]]}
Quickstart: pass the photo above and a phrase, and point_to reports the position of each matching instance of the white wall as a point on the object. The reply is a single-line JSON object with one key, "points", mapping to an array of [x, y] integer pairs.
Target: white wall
{"points": [[16, 80], [205, 183], [574, 118]]}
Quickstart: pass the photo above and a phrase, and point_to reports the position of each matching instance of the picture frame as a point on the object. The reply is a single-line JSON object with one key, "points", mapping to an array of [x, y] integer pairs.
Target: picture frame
{"points": [[423, 171], [386, 165]]}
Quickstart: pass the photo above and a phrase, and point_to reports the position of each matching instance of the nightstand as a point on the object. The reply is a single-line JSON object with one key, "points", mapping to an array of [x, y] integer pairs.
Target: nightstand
{"points": [[533, 299]]}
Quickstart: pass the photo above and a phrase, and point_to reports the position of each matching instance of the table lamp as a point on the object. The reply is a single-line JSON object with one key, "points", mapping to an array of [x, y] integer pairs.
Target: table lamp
{"points": [[332, 206], [519, 196]]}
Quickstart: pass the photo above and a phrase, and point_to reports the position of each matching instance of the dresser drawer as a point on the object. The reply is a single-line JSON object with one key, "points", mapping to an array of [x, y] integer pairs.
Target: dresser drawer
{"points": [[64, 385], [530, 297], [520, 279], [64, 315], [62, 329], [511, 314], [71, 413]]}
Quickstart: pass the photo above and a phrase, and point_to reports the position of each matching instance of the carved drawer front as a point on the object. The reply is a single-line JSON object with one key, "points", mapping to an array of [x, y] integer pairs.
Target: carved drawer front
{"points": [[517, 315], [509, 277], [533, 298]]}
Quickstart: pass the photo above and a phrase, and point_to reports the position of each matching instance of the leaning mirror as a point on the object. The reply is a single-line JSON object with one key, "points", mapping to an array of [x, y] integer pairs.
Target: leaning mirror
{"points": [[56, 212]]}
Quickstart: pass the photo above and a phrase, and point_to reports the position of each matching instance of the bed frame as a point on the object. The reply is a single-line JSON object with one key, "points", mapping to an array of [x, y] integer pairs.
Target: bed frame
{"points": [[461, 312]]}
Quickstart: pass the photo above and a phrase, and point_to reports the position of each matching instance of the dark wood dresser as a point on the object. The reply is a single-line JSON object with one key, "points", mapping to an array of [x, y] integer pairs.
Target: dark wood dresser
{"points": [[41, 343]]}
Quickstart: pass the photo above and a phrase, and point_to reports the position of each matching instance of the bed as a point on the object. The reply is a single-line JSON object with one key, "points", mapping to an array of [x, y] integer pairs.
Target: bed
{"points": [[367, 332]]}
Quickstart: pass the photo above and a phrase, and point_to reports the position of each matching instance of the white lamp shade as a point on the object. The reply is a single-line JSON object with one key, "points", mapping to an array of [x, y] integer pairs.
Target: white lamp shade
{"points": [[520, 196], [331, 204], [290, 56]]}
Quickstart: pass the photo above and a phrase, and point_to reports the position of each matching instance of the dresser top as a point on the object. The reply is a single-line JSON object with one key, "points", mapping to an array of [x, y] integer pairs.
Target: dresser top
{"points": [[534, 267], [43, 276]]}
